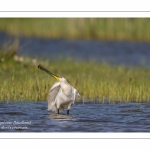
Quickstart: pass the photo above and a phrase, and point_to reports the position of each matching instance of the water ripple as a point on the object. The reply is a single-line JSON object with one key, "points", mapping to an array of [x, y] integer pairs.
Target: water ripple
{"points": [[90, 117]]}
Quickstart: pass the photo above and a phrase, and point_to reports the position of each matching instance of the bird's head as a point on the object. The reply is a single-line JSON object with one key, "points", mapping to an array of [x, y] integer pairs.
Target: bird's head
{"points": [[59, 79]]}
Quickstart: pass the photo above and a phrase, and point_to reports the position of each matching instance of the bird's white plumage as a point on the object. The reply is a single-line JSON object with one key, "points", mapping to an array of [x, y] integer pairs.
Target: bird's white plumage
{"points": [[61, 96]]}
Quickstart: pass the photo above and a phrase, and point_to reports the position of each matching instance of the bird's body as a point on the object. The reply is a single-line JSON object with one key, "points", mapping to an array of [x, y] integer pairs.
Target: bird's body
{"points": [[62, 95]]}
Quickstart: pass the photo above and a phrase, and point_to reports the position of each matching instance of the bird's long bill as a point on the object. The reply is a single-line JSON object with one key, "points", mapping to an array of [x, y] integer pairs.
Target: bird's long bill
{"points": [[55, 76]]}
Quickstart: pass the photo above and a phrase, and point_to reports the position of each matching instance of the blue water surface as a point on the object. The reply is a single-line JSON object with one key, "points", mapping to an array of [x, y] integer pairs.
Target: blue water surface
{"points": [[87, 117]]}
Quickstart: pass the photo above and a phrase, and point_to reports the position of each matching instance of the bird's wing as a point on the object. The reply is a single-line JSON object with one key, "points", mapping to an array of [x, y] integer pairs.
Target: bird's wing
{"points": [[52, 96], [75, 94]]}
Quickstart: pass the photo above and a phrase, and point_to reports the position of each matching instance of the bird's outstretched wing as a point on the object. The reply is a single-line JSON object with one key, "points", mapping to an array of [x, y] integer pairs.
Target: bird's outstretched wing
{"points": [[52, 96]]}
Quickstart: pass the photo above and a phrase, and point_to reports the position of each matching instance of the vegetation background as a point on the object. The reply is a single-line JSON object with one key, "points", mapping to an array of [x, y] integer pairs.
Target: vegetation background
{"points": [[79, 28], [22, 81]]}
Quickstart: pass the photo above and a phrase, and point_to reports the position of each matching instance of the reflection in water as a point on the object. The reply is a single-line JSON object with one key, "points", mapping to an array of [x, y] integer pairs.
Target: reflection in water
{"points": [[60, 116], [90, 117]]}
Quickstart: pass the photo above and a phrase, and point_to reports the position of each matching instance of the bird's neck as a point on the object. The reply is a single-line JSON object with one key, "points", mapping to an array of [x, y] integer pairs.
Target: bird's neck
{"points": [[66, 88]]}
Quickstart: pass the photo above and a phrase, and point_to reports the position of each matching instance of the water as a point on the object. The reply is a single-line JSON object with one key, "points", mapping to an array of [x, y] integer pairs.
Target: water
{"points": [[87, 117], [113, 52]]}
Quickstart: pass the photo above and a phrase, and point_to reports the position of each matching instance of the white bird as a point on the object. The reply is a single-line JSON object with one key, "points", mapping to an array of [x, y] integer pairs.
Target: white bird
{"points": [[62, 95]]}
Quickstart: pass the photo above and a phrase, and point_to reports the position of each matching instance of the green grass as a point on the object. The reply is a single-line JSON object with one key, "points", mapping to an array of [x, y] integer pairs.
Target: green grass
{"points": [[21, 80], [79, 28]]}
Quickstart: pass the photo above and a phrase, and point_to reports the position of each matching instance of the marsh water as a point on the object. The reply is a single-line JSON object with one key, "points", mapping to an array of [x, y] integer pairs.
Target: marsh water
{"points": [[87, 117], [113, 52]]}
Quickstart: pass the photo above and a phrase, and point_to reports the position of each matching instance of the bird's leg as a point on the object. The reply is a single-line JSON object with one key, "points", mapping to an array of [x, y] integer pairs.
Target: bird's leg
{"points": [[57, 111], [68, 112]]}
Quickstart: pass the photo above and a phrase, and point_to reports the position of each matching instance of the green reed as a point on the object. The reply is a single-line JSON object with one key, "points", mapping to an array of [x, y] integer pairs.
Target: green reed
{"points": [[79, 28], [21, 80]]}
